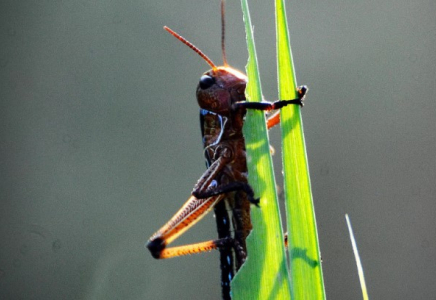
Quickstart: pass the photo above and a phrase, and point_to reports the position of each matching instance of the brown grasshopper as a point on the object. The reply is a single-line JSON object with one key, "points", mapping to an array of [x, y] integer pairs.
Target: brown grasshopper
{"points": [[224, 186]]}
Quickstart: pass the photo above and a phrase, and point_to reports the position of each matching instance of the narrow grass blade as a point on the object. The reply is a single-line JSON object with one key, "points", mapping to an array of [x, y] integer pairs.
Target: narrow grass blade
{"points": [[264, 274], [358, 262], [305, 264]]}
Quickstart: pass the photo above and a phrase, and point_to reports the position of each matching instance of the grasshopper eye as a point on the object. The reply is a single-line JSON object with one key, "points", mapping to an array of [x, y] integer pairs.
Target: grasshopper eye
{"points": [[206, 82]]}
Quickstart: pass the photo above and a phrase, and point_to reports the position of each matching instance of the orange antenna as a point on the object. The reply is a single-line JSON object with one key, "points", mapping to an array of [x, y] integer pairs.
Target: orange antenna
{"points": [[190, 45], [223, 32]]}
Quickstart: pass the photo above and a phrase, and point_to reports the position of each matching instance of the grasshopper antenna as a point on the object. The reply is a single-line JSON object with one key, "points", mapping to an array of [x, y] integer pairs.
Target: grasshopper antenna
{"points": [[192, 46], [223, 32]]}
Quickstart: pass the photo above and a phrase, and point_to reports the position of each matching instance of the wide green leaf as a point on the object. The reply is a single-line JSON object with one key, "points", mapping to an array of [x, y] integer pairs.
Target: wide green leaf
{"points": [[264, 274]]}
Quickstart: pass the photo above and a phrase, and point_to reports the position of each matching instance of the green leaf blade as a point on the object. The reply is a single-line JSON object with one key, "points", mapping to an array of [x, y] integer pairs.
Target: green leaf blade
{"points": [[264, 275], [306, 273]]}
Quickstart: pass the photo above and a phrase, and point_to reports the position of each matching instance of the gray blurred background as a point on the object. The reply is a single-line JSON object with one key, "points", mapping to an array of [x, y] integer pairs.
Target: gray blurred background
{"points": [[100, 141]]}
